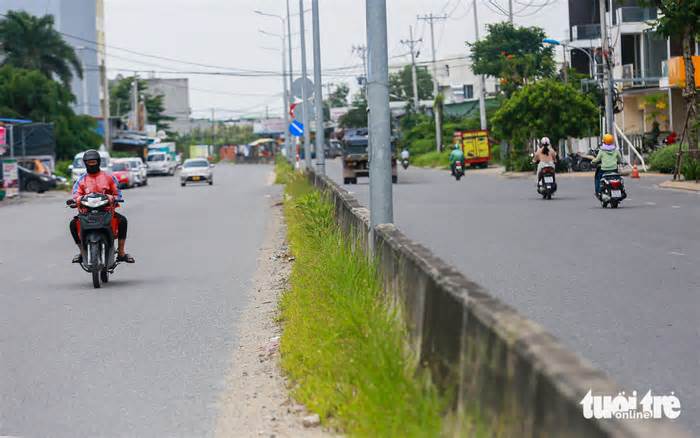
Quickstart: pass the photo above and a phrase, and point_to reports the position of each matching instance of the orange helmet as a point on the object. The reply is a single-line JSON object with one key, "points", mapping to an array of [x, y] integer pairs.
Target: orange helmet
{"points": [[608, 139]]}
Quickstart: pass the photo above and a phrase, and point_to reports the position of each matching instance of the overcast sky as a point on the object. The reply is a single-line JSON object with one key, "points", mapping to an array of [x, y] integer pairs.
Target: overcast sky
{"points": [[225, 33]]}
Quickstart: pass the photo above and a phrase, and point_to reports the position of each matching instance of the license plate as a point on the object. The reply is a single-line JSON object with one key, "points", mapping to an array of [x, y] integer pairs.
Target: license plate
{"points": [[548, 179], [195, 178], [616, 193]]}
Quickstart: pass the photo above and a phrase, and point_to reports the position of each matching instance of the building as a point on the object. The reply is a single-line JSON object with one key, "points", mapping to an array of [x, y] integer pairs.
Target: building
{"points": [[457, 81], [176, 101], [83, 19]]}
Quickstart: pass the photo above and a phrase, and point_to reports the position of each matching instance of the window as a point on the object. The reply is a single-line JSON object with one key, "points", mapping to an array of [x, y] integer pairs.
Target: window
{"points": [[120, 167], [156, 157], [468, 91], [197, 163]]}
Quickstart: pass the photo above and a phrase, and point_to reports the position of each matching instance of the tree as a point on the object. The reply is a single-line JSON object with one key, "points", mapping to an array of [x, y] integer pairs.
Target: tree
{"points": [[339, 96], [357, 116], [681, 19], [120, 101], [401, 84], [516, 55], [29, 94], [32, 43], [546, 108]]}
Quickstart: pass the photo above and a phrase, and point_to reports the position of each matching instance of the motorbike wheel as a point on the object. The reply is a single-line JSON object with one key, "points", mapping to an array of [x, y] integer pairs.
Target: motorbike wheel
{"points": [[614, 204], [104, 276], [96, 280], [458, 177], [584, 166]]}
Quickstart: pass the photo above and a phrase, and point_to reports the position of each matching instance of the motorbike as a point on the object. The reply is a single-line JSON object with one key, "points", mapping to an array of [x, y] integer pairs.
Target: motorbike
{"points": [[404, 163], [612, 190], [97, 228], [458, 170], [580, 163], [547, 183]]}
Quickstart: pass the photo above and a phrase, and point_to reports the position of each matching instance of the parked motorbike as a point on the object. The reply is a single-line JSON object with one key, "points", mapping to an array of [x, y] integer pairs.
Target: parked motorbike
{"points": [[97, 228], [579, 162], [612, 190], [404, 163], [547, 183], [458, 170]]}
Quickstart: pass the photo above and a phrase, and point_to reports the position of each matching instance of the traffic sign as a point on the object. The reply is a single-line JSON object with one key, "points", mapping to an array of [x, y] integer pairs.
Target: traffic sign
{"points": [[297, 90], [296, 128]]}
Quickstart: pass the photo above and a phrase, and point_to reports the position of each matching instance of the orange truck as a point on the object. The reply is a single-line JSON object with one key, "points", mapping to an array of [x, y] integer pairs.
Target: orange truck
{"points": [[476, 148]]}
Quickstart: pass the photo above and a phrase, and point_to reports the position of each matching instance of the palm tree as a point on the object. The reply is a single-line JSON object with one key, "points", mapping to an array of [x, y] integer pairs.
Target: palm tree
{"points": [[33, 43]]}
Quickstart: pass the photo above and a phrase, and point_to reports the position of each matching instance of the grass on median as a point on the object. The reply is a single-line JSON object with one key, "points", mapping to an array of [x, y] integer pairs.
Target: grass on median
{"points": [[283, 170], [343, 348]]}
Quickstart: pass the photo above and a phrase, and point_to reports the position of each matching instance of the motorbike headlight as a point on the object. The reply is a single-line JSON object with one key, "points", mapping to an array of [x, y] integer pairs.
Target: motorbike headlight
{"points": [[45, 178], [94, 202]]}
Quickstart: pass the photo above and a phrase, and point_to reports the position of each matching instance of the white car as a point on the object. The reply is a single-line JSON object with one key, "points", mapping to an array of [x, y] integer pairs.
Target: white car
{"points": [[140, 170], [77, 169], [196, 170], [160, 163]]}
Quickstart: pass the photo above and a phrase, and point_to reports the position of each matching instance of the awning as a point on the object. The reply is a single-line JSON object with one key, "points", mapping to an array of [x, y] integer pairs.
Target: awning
{"points": [[262, 141]]}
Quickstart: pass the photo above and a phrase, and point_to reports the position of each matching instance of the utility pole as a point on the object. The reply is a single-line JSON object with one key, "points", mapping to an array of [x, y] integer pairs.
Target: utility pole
{"points": [[436, 90], [105, 104], [213, 114], [482, 79], [285, 93], [510, 11], [135, 103], [361, 51], [290, 55], [318, 92], [380, 190], [305, 92], [609, 86], [411, 43]]}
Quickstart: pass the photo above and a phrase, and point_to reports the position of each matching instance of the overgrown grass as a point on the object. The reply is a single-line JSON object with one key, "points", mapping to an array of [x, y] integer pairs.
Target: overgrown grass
{"points": [[434, 159], [342, 346], [283, 170]]}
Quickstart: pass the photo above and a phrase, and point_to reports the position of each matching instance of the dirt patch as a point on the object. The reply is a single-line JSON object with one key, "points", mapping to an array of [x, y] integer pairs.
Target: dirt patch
{"points": [[256, 401]]}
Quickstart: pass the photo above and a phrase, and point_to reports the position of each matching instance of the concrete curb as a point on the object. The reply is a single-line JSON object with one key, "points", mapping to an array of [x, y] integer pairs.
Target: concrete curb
{"points": [[686, 186], [522, 380]]}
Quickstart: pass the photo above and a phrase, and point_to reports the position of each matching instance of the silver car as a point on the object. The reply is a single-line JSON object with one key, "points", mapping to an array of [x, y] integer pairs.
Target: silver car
{"points": [[196, 170], [140, 170]]}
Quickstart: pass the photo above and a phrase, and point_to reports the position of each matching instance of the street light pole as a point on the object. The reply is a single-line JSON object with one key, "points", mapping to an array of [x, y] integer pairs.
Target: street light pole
{"points": [[607, 72], [436, 90], [305, 92], [290, 56], [482, 79], [379, 118], [318, 93]]}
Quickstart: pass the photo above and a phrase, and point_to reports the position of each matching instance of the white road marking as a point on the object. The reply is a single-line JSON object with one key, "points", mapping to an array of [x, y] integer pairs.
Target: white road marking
{"points": [[676, 253], [650, 203], [675, 206]]}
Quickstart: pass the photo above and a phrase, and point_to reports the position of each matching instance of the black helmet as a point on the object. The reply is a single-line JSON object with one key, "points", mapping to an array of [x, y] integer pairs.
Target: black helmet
{"points": [[92, 155]]}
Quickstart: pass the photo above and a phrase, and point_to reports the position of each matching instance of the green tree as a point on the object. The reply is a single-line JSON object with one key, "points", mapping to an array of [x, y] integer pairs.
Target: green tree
{"points": [[32, 43], [30, 95], [339, 96], [120, 101], [546, 108], [401, 84], [516, 55], [356, 117]]}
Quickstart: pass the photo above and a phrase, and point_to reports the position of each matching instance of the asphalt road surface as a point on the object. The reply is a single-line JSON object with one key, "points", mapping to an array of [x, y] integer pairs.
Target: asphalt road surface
{"points": [[147, 355], [620, 287]]}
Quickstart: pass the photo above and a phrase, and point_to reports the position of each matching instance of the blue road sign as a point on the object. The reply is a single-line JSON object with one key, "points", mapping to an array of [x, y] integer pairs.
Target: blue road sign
{"points": [[296, 128]]}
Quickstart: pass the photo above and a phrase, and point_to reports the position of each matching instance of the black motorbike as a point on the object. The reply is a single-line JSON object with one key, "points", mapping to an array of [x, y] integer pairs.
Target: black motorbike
{"points": [[404, 163], [579, 162], [97, 228], [458, 170], [612, 190], [547, 183]]}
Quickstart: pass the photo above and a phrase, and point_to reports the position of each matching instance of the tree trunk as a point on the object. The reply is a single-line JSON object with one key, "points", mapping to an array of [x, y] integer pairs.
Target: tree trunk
{"points": [[689, 93]]}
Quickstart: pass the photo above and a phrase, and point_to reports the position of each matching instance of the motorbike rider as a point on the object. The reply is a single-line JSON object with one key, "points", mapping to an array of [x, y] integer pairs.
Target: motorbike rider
{"points": [[544, 157], [609, 158], [404, 154], [456, 155], [97, 181]]}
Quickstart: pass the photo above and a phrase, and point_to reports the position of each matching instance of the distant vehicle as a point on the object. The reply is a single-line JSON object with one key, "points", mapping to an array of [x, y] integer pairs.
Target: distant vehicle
{"points": [[333, 149], [356, 158], [121, 170], [77, 169], [578, 162], [612, 190], [196, 170], [30, 181], [547, 183], [458, 170], [160, 163], [475, 145], [140, 170]]}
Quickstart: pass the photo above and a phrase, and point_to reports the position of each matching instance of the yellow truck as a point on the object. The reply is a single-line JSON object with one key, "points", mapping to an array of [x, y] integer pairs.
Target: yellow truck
{"points": [[476, 148]]}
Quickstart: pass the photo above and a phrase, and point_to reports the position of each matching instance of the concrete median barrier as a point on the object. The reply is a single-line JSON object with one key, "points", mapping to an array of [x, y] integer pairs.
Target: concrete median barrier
{"points": [[500, 366]]}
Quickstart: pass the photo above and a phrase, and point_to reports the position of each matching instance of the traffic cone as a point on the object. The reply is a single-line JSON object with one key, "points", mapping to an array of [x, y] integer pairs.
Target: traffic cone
{"points": [[635, 172]]}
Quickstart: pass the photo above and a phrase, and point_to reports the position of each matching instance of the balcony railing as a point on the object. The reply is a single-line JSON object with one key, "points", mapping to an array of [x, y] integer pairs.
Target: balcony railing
{"points": [[585, 31], [635, 14]]}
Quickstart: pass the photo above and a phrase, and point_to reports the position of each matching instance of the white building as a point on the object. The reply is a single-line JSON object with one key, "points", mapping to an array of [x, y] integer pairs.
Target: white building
{"points": [[457, 81], [176, 101], [83, 19]]}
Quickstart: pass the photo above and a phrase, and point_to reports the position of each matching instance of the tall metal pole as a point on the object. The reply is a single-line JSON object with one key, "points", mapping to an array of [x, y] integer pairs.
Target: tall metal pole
{"points": [[411, 43], [318, 92], [607, 72], [285, 92], [380, 189], [290, 56], [436, 90], [305, 92], [510, 11], [106, 128], [482, 79]]}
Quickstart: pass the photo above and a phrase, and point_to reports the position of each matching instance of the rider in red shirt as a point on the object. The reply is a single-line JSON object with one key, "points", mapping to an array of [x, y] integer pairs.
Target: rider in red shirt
{"points": [[96, 181]]}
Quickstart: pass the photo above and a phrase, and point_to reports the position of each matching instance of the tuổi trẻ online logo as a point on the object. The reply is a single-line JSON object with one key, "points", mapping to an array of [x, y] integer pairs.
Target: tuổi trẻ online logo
{"points": [[632, 407]]}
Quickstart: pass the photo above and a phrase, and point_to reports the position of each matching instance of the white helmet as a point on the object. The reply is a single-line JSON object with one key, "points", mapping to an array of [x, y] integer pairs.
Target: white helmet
{"points": [[544, 141]]}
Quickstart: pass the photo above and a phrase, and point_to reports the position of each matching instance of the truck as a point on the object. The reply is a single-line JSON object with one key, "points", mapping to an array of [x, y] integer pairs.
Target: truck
{"points": [[475, 145], [356, 156]]}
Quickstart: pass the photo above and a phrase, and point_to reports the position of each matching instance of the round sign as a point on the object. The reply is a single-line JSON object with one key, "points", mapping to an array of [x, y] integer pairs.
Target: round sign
{"points": [[297, 88]]}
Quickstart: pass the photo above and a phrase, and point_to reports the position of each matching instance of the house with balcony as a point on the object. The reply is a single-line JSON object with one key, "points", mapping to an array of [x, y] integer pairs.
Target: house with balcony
{"points": [[641, 60]]}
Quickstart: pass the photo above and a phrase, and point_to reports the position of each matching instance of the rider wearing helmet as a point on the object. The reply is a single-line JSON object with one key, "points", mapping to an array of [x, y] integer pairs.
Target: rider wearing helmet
{"points": [[456, 155], [545, 156], [609, 158], [97, 181]]}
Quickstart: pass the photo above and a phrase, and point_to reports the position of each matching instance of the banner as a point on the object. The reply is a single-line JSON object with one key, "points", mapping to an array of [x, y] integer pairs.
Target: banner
{"points": [[10, 177]]}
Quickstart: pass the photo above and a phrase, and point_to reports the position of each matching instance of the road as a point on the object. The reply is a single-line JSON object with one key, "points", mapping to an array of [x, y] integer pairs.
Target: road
{"points": [[146, 355], [620, 287]]}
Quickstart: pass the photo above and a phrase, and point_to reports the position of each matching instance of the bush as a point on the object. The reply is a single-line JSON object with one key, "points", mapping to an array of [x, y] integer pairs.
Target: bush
{"points": [[691, 169], [433, 159], [664, 159], [61, 168]]}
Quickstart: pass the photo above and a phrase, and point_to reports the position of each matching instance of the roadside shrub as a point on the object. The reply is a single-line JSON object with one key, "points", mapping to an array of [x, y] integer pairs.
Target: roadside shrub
{"points": [[62, 168], [664, 159], [283, 170], [691, 169], [433, 159]]}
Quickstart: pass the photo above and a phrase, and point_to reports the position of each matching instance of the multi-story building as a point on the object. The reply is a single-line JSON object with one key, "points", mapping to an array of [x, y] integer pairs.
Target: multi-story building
{"points": [[176, 101], [83, 19], [457, 81]]}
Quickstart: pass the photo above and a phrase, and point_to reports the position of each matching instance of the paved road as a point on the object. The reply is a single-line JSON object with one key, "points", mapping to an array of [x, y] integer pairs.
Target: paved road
{"points": [[621, 287], [147, 355]]}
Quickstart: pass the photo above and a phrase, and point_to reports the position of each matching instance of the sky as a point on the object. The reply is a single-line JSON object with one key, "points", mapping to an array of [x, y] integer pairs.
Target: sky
{"points": [[226, 34]]}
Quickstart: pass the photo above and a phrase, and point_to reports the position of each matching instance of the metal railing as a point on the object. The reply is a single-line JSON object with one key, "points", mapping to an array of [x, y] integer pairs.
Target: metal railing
{"points": [[585, 31], [635, 14], [630, 148]]}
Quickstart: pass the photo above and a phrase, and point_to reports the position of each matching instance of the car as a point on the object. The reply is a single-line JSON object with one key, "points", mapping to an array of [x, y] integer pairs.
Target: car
{"points": [[140, 170], [30, 181], [160, 163], [333, 149], [77, 169], [196, 170], [121, 170]]}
